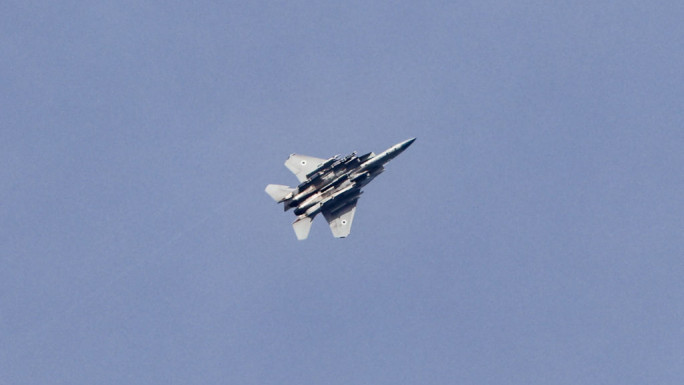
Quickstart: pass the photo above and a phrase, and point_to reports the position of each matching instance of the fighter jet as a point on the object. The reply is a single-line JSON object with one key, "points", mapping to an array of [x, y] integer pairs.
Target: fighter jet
{"points": [[330, 186]]}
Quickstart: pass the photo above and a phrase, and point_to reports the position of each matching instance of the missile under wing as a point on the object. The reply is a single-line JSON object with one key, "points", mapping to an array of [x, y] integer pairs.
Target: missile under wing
{"points": [[331, 187]]}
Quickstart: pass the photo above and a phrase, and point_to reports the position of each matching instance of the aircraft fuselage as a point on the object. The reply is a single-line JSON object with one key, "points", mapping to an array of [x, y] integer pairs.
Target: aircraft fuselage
{"points": [[331, 186]]}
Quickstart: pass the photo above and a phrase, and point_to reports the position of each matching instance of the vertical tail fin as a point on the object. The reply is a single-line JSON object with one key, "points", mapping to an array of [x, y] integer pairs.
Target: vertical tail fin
{"points": [[302, 226], [278, 192]]}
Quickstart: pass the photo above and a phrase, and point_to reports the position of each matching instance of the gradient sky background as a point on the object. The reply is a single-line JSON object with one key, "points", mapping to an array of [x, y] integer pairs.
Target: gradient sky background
{"points": [[533, 234]]}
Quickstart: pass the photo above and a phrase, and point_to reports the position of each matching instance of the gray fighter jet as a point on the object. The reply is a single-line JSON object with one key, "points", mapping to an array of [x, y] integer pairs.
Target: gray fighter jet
{"points": [[330, 186]]}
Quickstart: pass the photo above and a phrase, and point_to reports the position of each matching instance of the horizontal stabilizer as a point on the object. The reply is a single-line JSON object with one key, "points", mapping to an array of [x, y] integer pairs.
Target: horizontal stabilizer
{"points": [[302, 226], [278, 191]]}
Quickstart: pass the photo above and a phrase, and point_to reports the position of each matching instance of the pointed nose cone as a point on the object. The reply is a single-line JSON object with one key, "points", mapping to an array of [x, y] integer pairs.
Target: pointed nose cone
{"points": [[404, 145]]}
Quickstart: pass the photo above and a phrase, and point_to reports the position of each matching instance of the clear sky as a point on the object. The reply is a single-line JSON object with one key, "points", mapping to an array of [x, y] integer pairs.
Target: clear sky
{"points": [[533, 233]]}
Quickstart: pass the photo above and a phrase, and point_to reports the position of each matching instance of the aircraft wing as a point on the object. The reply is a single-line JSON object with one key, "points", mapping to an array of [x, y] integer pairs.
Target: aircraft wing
{"points": [[341, 220], [300, 165]]}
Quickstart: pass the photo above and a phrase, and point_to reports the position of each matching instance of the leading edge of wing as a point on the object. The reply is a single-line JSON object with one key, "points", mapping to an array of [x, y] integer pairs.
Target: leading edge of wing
{"points": [[341, 220], [301, 165]]}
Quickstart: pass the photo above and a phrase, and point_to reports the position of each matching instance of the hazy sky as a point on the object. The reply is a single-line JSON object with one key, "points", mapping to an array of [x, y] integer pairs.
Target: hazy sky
{"points": [[533, 234]]}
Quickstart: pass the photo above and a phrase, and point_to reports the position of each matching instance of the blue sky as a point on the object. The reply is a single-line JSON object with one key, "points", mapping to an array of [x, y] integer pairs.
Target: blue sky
{"points": [[533, 233]]}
